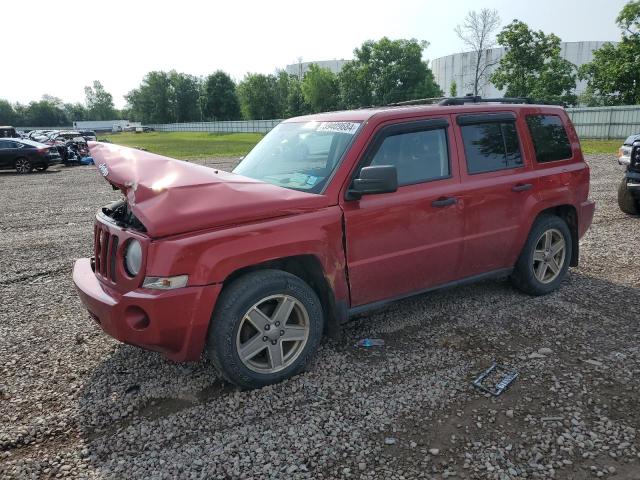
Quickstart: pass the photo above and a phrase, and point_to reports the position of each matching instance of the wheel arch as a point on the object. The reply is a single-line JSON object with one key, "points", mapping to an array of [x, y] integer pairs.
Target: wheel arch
{"points": [[309, 269]]}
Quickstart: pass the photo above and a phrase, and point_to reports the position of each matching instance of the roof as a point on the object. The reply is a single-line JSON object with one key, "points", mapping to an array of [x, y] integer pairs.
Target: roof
{"points": [[365, 114]]}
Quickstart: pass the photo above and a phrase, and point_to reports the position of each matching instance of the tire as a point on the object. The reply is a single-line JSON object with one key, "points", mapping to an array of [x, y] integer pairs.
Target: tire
{"points": [[627, 203], [23, 165], [534, 272], [234, 337]]}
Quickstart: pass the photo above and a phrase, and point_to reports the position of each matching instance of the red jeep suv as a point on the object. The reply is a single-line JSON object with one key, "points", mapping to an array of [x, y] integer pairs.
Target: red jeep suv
{"points": [[328, 216]]}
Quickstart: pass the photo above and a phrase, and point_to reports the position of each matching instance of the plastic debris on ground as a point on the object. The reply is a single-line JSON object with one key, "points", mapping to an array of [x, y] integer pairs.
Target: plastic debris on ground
{"points": [[370, 342]]}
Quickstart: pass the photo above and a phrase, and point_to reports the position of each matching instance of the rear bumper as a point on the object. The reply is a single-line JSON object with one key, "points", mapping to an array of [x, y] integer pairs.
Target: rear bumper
{"points": [[585, 216], [172, 322]]}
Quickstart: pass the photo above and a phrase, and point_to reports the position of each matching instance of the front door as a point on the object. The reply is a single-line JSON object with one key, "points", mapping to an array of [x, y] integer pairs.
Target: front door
{"points": [[409, 240]]}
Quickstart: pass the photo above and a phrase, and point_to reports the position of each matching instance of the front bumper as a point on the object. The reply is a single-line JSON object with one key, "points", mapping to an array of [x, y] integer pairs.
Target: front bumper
{"points": [[172, 322], [632, 177]]}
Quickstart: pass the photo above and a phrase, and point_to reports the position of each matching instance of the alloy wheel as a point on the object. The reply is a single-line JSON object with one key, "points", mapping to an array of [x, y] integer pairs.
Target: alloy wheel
{"points": [[549, 256], [23, 165], [272, 334]]}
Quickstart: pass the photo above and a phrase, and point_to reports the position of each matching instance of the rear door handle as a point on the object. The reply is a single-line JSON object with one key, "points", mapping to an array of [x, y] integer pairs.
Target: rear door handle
{"points": [[521, 187], [443, 202]]}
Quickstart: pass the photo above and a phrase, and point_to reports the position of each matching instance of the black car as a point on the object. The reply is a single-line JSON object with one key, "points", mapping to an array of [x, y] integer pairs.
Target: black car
{"points": [[629, 189], [25, 155]]}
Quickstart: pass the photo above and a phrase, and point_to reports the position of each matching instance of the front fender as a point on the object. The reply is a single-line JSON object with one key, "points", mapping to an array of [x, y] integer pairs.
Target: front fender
{"points": [[211, 256]]}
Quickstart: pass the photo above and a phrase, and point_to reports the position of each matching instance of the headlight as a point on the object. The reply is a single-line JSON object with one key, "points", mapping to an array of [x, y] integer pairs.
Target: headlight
{"points": [[133, 257]]}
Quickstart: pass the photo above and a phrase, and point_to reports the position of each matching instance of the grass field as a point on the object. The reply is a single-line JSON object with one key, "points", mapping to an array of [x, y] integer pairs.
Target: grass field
{"points": [[188, 145], [601, 146]]}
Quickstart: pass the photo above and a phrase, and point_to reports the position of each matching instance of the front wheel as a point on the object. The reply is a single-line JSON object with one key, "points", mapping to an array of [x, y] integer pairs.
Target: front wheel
{"points": [[266, 327], [544, 261], [627, 203]]}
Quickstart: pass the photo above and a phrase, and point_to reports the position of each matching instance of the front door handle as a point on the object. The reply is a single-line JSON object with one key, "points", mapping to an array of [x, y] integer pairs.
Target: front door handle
{"points": [[443, 202], [521, 187]]}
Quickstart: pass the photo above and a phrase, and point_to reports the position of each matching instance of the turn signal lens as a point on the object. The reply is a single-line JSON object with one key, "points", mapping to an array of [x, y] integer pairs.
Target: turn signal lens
{"points": [[620, 153], [165, 283]]}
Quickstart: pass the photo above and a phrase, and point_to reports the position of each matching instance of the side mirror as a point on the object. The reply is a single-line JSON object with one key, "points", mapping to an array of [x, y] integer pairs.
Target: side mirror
{"points": [[372, 180]]}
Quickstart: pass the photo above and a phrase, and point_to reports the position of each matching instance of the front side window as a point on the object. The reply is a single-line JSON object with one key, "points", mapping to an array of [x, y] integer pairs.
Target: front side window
{"points": [[491, 146], [418, 156], [549, 138], [300, 156]]}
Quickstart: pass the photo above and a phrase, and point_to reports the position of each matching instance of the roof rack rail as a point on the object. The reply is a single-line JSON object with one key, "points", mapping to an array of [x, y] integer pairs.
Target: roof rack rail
{"points": [[418, 101], [478, 99]]}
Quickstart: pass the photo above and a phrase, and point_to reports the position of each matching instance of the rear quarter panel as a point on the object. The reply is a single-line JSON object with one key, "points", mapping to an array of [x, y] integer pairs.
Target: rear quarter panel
{"points": [[561, 182]]}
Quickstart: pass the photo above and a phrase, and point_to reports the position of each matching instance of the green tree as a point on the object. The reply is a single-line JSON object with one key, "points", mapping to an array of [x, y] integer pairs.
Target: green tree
{"points": [[614, 74], [258, 97], [76, 111], [151, 102], [8, 116], [47, 112], [453, 89], [387, 71], [99, 102], [220, 98], [532, 66], [296, 104], [320, 89], [185, 94]]}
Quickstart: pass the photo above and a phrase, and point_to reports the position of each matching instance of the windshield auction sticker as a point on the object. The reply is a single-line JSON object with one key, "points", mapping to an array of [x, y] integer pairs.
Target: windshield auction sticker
{"points": [[339, 127]]}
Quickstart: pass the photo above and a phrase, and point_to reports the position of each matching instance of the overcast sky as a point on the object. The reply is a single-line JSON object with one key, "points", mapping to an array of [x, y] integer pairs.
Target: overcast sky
{"points": [[59, 48]]}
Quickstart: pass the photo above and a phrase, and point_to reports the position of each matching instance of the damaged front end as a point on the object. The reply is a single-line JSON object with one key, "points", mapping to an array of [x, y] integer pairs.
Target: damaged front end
{"points": [[122, 215]]}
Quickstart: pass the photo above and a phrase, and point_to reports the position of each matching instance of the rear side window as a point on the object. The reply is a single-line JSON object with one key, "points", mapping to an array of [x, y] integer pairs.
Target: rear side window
{"points": [[418, 156], [491, 146], [549, 138]]}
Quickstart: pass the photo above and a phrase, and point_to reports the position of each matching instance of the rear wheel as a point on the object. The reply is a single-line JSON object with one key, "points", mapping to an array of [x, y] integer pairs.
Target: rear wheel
{"points": [[627, 203], [266, 327], [23, 165], [545, 258]]}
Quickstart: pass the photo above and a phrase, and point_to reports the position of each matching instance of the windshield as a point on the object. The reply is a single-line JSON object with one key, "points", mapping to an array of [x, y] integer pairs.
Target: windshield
{"points": [[300, 156]]}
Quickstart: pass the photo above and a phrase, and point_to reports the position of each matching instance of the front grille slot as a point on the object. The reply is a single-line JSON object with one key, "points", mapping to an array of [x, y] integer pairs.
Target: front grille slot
{"points": [[106, 249]]}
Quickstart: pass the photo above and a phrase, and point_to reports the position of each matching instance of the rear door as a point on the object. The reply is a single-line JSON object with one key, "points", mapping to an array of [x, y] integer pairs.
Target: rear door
{"points": [[409, 240], [498, 187]]}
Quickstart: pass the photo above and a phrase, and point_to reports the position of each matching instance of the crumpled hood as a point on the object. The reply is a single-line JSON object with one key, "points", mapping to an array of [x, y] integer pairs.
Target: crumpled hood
{"points": [[170, 196]]}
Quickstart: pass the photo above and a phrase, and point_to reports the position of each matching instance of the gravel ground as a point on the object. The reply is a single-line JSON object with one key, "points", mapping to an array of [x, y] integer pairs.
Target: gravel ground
{"points": [[75, 403]]}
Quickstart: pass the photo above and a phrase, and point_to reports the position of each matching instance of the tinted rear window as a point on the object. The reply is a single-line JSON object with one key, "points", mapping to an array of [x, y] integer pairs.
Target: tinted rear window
{"points": [[491, 146], [549, 137]]}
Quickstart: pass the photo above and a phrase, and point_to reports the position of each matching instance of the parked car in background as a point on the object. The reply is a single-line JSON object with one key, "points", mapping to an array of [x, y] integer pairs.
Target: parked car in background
{"points": [[39, 135], [71, 144], [331, 215], [624, 152], [629, 189], [8, 132], [89, 135], [24, 155]]}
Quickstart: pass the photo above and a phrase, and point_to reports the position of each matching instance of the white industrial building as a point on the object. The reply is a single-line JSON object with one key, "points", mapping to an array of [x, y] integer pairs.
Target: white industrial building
{"points": [[460, 67], [299, 69]]}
